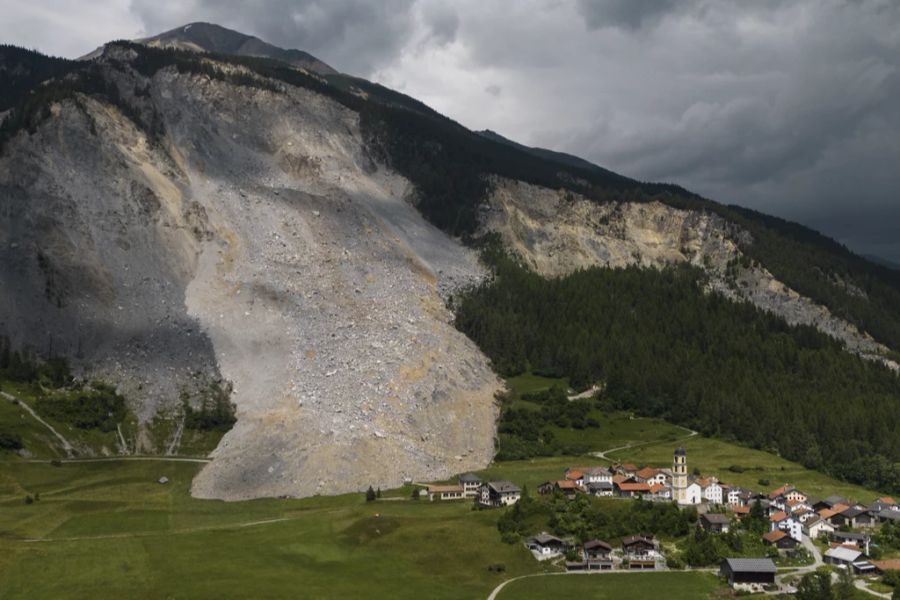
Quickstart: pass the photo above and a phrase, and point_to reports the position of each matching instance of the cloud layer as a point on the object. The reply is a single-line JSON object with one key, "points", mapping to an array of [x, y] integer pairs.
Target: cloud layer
{"points": [[787, 106]]}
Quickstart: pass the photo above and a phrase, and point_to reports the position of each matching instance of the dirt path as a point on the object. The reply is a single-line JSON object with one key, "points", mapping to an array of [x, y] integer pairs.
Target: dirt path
{"points": [[69, 449], [604, 453]]}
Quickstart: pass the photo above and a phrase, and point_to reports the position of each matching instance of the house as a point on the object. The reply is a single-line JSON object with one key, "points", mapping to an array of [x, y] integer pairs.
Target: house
{"points": [[627, 469], [661, 491], [598, 555], [600, 488], [782, 521], [639, 546], [629, 490], [498, 493], [892, 564], [888, 515], [780, 540], [740, 511], [830, 502], [710, 490], [546, 546], [446, 492], [715, 522], [598, 475], [693, 493], [738, 496], [650, 476], [788, 492], [470, 482], [748, 574], [862, 540], [848, 558], [565, 486], [852, 516], [576, 475], [816, 526]]}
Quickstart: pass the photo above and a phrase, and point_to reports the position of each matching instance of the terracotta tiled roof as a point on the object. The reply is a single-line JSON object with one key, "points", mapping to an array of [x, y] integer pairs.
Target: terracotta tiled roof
{"points": [[634, 487], [647, 473], [779, 516], [827, 513], [886, 500], [574, 474], [774, 536], [741, 510], [617, 479], [892, 564], [657, 487], [566, 484]]}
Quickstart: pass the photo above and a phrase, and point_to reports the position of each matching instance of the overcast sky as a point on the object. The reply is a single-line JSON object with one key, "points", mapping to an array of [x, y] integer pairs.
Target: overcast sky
{"points": [[791, 107]]}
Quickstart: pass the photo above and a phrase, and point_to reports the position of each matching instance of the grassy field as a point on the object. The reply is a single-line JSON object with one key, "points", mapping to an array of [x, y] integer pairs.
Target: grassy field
{"points": [[109, 530], [714, 457], [671, 586]]}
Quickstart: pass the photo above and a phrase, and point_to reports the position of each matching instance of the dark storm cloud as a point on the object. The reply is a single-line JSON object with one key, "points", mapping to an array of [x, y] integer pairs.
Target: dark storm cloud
{"points": [[787, 106], [355, 36]]}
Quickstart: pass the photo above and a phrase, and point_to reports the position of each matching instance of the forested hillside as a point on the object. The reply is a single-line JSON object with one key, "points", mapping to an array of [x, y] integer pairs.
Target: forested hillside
{"points": [[664, 348]]}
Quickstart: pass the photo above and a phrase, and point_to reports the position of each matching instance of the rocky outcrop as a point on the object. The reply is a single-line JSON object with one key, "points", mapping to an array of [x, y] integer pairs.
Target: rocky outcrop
{"points": [[257, 242], [557, 232]]}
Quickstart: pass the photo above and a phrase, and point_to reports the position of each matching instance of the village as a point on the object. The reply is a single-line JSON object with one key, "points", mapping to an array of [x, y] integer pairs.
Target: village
{"points": [[809, 531]]}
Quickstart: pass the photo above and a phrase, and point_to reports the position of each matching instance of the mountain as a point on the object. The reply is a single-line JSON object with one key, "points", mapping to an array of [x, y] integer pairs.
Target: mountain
{"points": [[207, 37], [171, 220]]}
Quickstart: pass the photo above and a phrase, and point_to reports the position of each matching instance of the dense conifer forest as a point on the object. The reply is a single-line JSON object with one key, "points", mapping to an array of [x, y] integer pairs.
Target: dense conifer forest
{"points": [[662, 347]]}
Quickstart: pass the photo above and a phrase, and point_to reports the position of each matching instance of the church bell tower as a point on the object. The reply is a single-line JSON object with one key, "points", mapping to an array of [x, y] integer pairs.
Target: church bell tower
{"points": [[679, 476]]}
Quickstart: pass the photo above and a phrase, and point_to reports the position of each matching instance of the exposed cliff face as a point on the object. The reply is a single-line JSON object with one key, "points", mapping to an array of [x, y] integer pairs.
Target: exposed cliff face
{"points": [[557, 232], [258, 242]]}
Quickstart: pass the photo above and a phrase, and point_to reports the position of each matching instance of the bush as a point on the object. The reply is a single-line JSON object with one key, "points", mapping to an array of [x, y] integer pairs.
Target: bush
{"points": [[94, 407], [736, 469], [10, 441], [497, 568], [763, 482], [29, 500], [370, 494], [55, 463]]}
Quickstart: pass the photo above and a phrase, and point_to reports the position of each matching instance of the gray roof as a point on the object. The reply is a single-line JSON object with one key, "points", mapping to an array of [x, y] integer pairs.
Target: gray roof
{"points": [[680, 452], [716, 518], [843, 554], [607, 485], [469, 478], [889, 515], [504, 487], [751, 565], [853, 512], [545, 538], [597, 544], [832, 500]]}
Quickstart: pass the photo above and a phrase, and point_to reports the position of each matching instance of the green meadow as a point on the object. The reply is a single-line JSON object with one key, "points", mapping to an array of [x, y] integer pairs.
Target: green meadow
{"points": [[615, 586]]}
